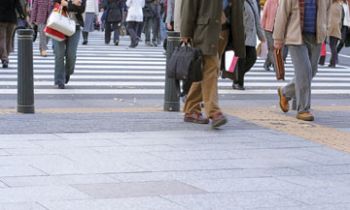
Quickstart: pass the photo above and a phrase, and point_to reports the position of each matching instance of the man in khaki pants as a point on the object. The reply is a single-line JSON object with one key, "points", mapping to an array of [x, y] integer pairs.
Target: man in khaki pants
{"points": [[201, 23]]}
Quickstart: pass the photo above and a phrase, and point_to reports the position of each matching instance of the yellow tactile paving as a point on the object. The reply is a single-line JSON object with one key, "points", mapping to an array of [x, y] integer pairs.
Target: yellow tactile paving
{"points": [[272, 118], [332, 108], [98, 110], [86, 110]]}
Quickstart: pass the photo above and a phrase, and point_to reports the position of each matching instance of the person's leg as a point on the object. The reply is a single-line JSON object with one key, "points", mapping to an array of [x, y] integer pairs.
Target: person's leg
{"points": [[116, 33], [249, 62], [269, 59], [148, 27], [139, 29], [194, 98], [43, 40], [85, 37], [333, 45], [132, 26], [314, 50], [71, 54], [209, 85], [155, 31], [3, 48], [108, 31], [60, 51], [341, 44], [302, 79], [9, 37], [285, 53]]}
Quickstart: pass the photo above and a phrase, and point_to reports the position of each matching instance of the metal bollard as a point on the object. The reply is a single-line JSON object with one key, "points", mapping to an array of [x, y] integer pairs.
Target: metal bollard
{"points": [[171, 97], [25, 82]]}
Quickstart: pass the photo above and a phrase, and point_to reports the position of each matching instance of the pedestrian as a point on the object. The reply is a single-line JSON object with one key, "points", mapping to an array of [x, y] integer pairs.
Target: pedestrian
{"points": [[114, 17], [302, 25], [334, 29], [8, 21], [267, 22], [169, 20], [345, 30], [232, 35], [203, 30], [134, 19], [66, 51], [252, 30], [151, 13], [91, 18], [39, 15]]}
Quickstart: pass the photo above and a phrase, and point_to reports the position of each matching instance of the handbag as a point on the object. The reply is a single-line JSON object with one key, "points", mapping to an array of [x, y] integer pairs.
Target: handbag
{"points": [[185, 64], [60, 22], [280, 71], [229, 65], [56, 35]]}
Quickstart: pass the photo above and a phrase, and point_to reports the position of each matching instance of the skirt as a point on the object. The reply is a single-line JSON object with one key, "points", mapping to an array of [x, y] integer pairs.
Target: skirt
{"points": [[89, 25]]}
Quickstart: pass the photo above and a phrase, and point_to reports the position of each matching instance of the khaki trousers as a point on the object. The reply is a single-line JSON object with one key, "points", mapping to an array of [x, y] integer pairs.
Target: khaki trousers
{"points": [[6, 36], [206, 90]]}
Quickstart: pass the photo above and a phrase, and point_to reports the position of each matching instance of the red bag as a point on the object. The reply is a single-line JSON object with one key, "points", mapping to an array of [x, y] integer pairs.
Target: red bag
{"points": [[56, 35], [323, 49]]}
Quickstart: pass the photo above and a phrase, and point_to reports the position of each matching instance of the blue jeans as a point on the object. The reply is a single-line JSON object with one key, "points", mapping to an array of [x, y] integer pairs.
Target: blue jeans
{"points": [[65, 57]]}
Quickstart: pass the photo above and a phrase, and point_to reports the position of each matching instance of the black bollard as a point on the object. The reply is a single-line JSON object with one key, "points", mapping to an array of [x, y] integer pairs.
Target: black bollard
{"points": [[171, 97], [25, 82]]}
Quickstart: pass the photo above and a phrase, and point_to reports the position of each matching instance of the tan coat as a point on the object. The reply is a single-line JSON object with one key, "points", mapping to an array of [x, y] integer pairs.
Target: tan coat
{"points": [[287, 27], [335, 20]]}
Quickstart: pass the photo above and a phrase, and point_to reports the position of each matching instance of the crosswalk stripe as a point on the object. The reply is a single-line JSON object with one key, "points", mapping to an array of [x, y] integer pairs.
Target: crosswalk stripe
{"points": [[69, 91], [156, 77], [112, 70]]}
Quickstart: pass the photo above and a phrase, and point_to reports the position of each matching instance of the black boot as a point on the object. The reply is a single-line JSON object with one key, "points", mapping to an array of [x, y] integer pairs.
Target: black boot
{"points": [[322, 60], [85, 37]]}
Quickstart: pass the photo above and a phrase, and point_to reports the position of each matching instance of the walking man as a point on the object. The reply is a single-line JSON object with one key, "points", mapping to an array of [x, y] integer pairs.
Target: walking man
{"points": [[201, 23], [303, 30]]}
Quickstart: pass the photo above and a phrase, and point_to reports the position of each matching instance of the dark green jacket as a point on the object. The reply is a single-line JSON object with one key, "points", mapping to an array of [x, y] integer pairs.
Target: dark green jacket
{"points": [[201, 21]]}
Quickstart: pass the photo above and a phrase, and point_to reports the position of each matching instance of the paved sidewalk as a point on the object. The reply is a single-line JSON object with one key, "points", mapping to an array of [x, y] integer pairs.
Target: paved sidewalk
{"points": [[125, 158]]}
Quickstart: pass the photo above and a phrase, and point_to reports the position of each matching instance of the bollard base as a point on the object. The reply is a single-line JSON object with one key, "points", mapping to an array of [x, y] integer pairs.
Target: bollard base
{"points": [[25, 109], [172, 106]]}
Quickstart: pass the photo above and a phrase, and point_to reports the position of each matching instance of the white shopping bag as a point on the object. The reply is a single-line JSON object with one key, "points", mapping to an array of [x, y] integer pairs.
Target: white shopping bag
{"points": [[230, 61], [61, 23]]}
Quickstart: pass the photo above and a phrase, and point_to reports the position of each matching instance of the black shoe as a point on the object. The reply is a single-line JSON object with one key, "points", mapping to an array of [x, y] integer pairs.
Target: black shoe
{"points": [[267, 68], [331, 65], [61, 86], [85, 42], [67, 78], [133, 45], [322, 60], [5, 64], [116, 43], [154, 44], [237, 87]]}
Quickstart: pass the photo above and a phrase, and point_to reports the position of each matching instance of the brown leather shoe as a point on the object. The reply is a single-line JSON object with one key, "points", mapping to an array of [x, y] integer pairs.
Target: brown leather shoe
{"points": [[284, 105], [196, 118], [218, 120], [306, 116]]}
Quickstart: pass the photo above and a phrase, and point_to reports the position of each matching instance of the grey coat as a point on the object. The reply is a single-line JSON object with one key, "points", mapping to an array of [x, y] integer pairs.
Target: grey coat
{"points": [[252, 25]]}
